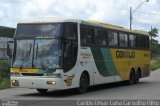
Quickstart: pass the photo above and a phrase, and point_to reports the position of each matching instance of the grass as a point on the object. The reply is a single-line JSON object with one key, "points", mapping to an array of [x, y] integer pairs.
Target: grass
{"points": [[5, 83], [155, 63]]}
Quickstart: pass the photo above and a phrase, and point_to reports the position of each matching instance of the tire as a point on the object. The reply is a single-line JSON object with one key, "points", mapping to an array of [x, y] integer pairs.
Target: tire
{"points": [[137, 76], [83, 83], [42, 90], [131, 78]]}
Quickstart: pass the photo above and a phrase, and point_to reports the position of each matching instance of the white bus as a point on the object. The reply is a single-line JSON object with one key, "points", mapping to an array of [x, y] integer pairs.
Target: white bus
{"points": [[64, 54]]}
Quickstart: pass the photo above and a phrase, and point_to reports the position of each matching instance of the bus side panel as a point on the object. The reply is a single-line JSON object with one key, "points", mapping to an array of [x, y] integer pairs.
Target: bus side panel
{"points": [[125, 60], [88, 63], [105, 67], [122, 64]]}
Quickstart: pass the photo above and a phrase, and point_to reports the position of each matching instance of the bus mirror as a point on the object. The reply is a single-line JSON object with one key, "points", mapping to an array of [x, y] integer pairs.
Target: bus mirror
{"points": [[10, 48]]}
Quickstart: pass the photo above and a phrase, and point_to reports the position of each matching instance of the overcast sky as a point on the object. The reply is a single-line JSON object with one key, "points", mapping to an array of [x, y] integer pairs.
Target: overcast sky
{"points": [[108, 11]]}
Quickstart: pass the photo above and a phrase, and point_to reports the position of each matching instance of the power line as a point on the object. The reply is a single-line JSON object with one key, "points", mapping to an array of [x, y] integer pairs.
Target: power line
{"points": [[148, 13]]}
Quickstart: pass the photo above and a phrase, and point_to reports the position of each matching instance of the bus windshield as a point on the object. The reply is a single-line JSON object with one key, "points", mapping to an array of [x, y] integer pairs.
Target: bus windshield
{"points": [[47, 53], [45, 45], [24, 51]]}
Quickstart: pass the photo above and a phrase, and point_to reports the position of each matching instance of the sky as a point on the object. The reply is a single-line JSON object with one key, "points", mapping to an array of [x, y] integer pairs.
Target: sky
{"points": [[108, 11]]}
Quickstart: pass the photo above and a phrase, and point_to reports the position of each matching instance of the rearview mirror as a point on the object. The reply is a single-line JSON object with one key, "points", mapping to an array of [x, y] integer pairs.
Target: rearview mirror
{"points": [[10, 45]]}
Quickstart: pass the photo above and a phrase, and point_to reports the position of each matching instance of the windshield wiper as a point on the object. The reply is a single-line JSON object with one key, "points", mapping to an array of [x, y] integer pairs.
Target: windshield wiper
{"points": [[30, 50], [36, 51]]}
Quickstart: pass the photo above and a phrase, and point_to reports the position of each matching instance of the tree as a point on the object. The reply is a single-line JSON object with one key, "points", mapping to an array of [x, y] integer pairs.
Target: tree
{"points": [[154, 43], [6, 32]]}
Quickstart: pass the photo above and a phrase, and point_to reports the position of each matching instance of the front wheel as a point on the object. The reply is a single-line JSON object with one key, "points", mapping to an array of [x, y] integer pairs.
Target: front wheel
{"points": [[42, 90], [83, 83]]}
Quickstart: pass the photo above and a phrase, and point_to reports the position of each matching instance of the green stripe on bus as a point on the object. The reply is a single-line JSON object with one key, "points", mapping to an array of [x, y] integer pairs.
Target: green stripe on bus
{"points": [[46, 70], [109, 61], [104, 62], [100, 64]]}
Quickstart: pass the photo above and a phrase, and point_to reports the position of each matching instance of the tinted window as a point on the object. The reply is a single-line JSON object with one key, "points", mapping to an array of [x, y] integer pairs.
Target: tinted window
{"points": [[112, 38], [123, 40], [34, 30], [132, 40], [100, 37], [140, 41], [70, 30], [70, 54], [87, 35], [147, 41]]}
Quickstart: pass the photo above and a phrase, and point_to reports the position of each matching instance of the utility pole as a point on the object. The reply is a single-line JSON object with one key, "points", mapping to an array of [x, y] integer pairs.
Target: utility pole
{"points": [[151, 42], [132, 12], [130, 18]]}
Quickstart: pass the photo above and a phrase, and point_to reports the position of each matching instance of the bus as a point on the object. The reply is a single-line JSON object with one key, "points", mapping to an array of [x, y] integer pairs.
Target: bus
{"points": [[58, 54]]}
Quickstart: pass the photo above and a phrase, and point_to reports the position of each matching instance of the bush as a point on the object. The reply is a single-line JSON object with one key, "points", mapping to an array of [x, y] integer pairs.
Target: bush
{"points": [[155, 63], [4, 69]]}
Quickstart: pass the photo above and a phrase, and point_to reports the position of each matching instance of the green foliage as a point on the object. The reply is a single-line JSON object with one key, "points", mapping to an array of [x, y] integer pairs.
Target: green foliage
{"points": [[155, 63], [5, 84], [154, 43], [4, 69], [154, 32], [4, 74], [7, 32]]}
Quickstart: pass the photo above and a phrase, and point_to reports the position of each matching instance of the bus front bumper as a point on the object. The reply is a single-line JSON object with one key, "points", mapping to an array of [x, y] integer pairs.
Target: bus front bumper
{"points": [[37, 83]]}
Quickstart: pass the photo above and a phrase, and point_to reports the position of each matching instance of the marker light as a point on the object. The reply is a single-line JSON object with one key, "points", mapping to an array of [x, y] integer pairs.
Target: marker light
{"points": [[51, 82]]}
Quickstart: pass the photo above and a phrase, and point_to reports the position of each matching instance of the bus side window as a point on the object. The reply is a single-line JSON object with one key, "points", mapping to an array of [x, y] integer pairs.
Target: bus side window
{"points": [[100, 37], [83, 35], [70, 54], [112, 38], [132, 40], [87, 35], [140, 41], [147, 42], [123, 40]]}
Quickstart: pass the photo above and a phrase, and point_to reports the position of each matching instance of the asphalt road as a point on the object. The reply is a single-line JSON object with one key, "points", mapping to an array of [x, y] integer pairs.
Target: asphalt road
{"points": [[148, 88]]}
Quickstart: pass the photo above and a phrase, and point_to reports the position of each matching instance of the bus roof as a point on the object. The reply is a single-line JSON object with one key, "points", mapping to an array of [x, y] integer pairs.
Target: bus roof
{"points": [[90, 22], [47, 20], [114, 27]]}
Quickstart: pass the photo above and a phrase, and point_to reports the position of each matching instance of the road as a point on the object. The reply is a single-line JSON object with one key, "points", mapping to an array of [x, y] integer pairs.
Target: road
{"points": [[148, 88]]}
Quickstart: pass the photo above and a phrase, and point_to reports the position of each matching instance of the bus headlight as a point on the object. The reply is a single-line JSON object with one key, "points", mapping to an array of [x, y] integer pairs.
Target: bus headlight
{"points": [[52, 75], [15, 82], [15, 74]]}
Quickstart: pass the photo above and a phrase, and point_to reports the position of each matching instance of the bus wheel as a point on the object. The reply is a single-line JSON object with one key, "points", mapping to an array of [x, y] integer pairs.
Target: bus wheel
{"points": [[83, 83], [137, 76], [131, 78], [42, 90]]}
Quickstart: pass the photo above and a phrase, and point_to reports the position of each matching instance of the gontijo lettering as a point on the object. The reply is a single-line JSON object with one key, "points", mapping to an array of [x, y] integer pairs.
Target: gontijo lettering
{"points": [[125, 54]]}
